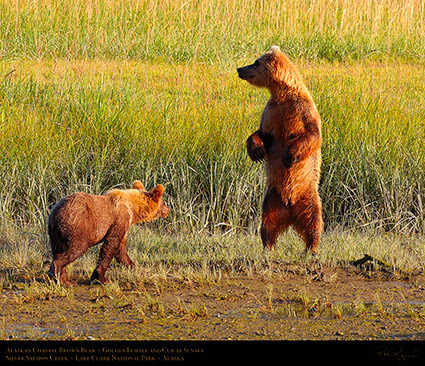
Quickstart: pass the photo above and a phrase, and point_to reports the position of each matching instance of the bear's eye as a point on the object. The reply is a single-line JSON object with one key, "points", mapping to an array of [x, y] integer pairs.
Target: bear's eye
{"points": [[257, 63]]}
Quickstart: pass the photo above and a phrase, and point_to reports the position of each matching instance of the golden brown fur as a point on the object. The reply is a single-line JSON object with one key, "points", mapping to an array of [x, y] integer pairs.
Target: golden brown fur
{"points": [[141, 207], [82, 220], [288, 140]]}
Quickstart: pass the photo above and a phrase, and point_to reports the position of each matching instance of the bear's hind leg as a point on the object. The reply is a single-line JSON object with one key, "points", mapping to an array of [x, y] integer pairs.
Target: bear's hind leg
{"points": [[308, 222], [275, 218], [59, 273], [61, 260]]}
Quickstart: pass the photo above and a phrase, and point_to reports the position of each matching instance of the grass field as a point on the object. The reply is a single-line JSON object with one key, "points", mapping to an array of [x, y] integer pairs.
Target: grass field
{"points": [[95, 94], [218, 32]]}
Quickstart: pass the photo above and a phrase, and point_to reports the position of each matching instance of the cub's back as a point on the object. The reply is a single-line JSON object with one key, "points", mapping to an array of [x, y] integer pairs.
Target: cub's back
{"points": [[81, 214]]}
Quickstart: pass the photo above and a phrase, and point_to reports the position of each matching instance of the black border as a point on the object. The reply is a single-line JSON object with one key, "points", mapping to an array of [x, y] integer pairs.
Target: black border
{"points": [[212, 352]]}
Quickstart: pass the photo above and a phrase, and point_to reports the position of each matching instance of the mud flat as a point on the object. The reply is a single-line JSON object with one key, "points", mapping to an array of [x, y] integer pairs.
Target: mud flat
{"points": [[335, 304]]}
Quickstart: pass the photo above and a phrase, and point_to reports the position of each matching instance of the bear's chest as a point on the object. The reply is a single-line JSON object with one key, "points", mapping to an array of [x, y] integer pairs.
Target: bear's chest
{"points": [[280, 120]]}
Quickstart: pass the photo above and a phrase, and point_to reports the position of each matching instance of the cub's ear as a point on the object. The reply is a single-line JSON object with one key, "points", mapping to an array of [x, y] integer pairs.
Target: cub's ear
{"points": [[157, 192], [137, 185]]}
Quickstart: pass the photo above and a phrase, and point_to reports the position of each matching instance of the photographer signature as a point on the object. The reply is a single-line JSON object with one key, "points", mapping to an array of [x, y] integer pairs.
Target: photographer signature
{"points": [[398, 353]]}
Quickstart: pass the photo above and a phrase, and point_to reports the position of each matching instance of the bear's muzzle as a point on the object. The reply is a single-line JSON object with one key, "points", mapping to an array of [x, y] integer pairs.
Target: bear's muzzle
{"points": [[246, 72]]}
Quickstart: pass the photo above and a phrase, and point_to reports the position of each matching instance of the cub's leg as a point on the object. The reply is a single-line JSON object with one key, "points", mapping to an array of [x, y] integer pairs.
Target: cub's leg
{"points": [[108, 251], [122, 255], [61, 260], [60, 275]]}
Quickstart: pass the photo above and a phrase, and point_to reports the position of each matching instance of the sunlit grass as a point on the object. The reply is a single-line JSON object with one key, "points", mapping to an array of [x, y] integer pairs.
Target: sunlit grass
{"points": [[68, 126], [95, 94], [211, 32]]}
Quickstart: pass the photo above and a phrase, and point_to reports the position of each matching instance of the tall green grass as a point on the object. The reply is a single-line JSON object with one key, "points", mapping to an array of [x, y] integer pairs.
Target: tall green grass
{"points": [[211, 31], [69, 126], [95, 94]]}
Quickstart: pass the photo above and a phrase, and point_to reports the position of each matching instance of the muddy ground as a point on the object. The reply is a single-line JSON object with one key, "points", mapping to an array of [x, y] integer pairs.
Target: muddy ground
{"points": [[344, 303]]}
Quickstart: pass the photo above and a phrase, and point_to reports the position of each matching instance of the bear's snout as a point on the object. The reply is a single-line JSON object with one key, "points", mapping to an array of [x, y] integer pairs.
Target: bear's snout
{"points": [[163, 210], [245, 72]]}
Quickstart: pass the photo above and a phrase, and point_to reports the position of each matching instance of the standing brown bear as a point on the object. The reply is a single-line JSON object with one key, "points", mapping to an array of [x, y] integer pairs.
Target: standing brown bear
{"points": [[82, 220], [288, 140]]}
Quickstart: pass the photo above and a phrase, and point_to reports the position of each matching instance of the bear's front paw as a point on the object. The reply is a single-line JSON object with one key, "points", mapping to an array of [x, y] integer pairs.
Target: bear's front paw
{"points": [[288, 158], [257, 154], [255, 148]]}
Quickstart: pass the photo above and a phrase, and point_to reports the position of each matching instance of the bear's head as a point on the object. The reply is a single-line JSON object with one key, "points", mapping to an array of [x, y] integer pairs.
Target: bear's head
{"points": [[271, 69], [155, 203], [143, 205]]}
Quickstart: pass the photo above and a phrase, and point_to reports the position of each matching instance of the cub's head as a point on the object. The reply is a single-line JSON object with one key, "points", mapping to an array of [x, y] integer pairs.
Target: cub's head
{"points": [[268, 69], [153, 205]]}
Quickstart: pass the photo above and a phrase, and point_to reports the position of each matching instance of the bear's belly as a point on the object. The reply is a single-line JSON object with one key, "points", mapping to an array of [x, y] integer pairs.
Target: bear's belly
{"points": [[295, 182]]}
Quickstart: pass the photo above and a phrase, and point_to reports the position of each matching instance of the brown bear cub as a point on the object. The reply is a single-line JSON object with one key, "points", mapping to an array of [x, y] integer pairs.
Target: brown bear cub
{"points": [[288, 140], [82, 220]]}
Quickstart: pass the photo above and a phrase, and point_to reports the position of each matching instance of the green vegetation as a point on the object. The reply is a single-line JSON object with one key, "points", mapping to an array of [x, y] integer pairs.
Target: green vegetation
{"points": [[211, 32], [95, 94]]}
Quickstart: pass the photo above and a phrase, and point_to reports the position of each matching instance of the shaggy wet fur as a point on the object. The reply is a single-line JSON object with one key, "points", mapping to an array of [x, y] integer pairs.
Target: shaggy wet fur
{"points": [[288, 140], [82, 220]]}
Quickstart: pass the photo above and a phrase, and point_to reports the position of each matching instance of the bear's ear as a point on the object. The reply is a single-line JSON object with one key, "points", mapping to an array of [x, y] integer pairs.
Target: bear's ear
{"points": [[275, 49], [137, 184], [157, 192]]}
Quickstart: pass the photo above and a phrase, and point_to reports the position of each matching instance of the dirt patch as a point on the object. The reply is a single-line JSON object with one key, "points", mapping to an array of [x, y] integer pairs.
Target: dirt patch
{"points": [[325, 304]]}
